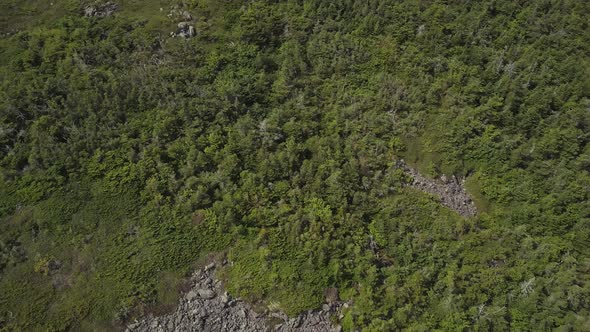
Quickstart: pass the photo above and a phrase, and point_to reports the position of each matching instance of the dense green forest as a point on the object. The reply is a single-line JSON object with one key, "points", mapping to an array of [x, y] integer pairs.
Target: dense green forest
{"points": [[128, 155]]}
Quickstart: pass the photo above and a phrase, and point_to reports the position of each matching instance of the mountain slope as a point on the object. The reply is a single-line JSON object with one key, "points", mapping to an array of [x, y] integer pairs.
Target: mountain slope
{"points": [[272, 137]]}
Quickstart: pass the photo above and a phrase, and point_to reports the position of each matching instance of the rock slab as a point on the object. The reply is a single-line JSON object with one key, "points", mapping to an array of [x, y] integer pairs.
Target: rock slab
{"points": [[207, 307]]}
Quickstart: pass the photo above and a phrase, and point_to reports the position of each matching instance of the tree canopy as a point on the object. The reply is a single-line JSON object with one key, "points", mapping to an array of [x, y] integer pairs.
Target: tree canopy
{"points": [[127, 155]]}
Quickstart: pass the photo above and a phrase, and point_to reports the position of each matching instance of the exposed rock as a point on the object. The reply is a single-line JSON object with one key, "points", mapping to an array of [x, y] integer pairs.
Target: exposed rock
{"points": [[206, 293], [177, 13], [101, 10], [187, 16], [199, 311], [451, 192], [186, 30], [190, 296], [224, 298]]}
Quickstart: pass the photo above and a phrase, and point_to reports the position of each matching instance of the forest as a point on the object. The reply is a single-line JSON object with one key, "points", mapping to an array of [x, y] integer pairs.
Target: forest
{"points": [[131, 151]]}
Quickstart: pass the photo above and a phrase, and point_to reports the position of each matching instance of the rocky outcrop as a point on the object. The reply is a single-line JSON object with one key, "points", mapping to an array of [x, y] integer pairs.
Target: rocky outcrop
{"points": [[450, 190], [207, 307], [101, 10], [186, 28]]}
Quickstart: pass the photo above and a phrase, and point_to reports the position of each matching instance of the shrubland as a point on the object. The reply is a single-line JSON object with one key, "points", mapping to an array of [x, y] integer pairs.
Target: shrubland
{"points": [[126, 156]]}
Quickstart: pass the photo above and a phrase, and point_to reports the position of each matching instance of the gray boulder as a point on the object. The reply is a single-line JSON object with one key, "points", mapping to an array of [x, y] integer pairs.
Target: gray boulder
{"points": [[186, 30], [206, 293]]}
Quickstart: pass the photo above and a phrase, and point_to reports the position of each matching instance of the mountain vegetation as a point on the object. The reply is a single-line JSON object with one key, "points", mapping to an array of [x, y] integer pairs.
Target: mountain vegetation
{"points": [[127, 156]]}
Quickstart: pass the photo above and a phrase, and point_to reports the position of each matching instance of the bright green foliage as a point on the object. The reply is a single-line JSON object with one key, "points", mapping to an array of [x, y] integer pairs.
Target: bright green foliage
{"points": [[126, 156]]}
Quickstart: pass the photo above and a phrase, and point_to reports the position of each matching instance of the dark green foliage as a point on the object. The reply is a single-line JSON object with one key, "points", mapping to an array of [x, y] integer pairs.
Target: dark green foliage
{"points": [[125, 156]]}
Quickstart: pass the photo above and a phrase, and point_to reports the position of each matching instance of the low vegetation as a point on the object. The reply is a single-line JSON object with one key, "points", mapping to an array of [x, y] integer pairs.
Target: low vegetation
{"points": [[127, 155]]}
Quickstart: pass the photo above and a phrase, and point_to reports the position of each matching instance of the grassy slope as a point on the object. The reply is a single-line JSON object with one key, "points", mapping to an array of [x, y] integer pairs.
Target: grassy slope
{"points": [[18, 15], [108, 246]]}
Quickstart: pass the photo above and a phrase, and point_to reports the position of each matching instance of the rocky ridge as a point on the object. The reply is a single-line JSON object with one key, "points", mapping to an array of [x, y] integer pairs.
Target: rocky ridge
{"points": [[207, 307]]}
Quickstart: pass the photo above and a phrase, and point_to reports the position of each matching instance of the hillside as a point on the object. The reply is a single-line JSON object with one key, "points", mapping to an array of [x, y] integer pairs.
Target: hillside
{"points": [[425, 162]]}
